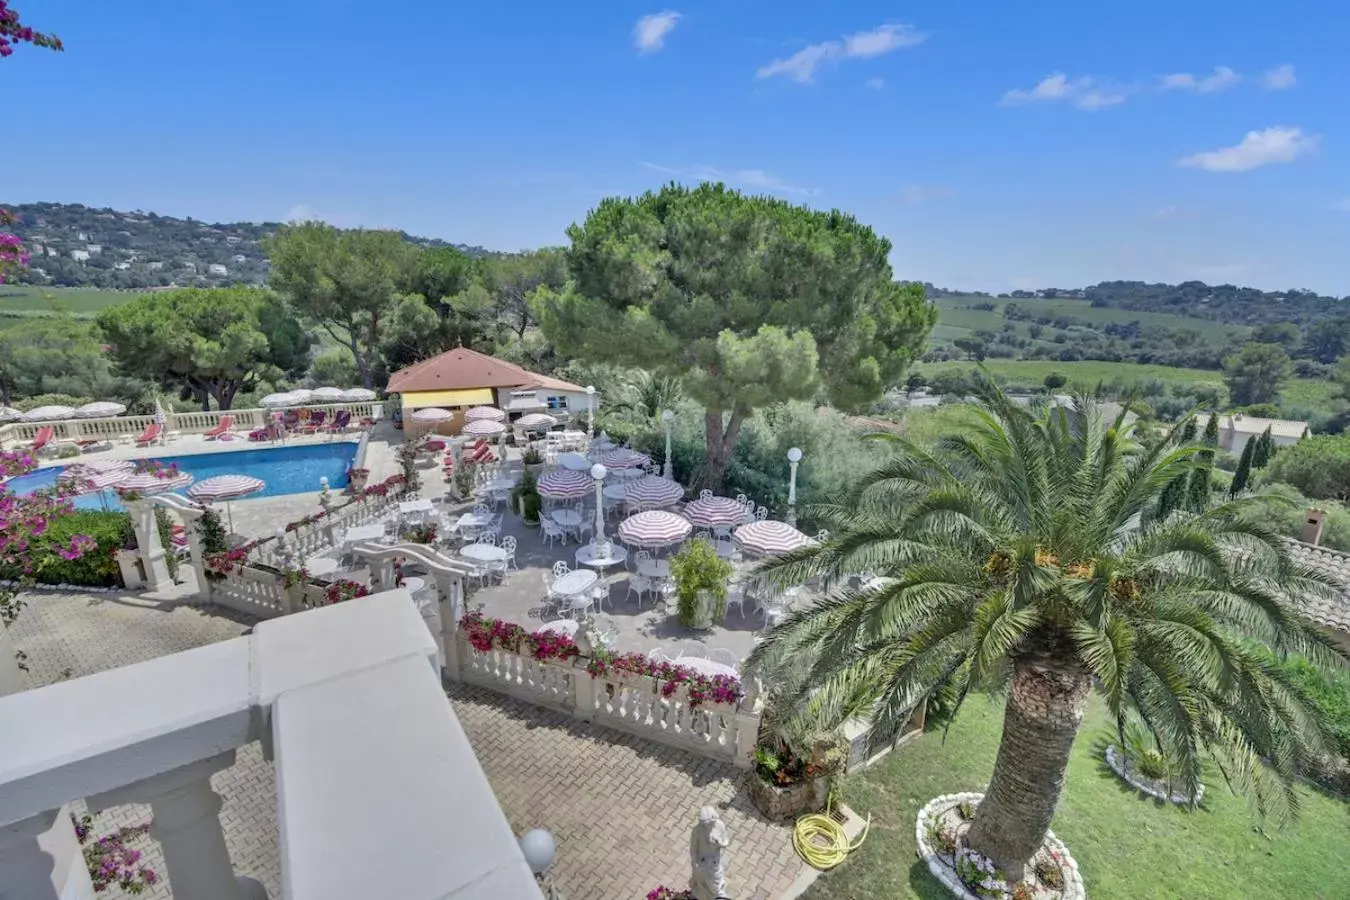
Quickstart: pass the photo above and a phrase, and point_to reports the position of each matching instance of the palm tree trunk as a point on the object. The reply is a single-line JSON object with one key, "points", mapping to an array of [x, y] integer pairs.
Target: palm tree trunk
{"points": [[1041, 719]]}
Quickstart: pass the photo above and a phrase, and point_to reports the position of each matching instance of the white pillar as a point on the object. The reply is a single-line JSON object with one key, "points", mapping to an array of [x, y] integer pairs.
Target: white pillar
{"points": [[598, 472], [185, 819], [794, 457], [590, 410], [148, 543], [667, 469]]}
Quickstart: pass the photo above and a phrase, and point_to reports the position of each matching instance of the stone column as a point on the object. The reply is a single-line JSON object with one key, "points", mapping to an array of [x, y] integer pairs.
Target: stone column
{"points": [[185, 819], [147, 541], [197, 554]]}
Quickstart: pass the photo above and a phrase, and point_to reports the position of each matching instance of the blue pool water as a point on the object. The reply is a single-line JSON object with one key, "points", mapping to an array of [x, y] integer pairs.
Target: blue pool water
{"points": [[285, 470]]}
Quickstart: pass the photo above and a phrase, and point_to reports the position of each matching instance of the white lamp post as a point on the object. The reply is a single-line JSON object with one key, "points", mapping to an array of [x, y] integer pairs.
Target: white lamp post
{"points": [[602, 547], [666, 418], [539, 849], [590, 410], [794, 457]]}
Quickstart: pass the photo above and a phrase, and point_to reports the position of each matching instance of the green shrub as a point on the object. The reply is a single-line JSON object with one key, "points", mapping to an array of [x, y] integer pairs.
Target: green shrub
{"points": [[698, 569], [164, 525], [96, 568], [1330, 691], [1281, 507]]}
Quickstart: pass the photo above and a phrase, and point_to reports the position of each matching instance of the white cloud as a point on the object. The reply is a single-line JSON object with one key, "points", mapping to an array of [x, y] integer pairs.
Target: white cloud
{"points": [[1277, 144], [1343, 205], [875, 84], [753, 178], [1222, 79], [1085, 93], [915, 194], [801, 66], [1279, 78], [649, 34]]}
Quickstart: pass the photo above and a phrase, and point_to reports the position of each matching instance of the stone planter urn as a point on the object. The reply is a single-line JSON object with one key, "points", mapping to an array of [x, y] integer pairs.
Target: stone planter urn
{"points": [[780, 803], [131, 569], [704, 604]]}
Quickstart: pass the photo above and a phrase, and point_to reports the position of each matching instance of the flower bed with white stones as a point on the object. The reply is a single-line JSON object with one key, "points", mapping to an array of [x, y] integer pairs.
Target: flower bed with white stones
{"points": [[1121, 765], [945, 810]]}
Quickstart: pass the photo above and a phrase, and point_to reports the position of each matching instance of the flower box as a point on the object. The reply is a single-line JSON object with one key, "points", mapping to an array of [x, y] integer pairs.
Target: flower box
{"points": [[779, 803]]}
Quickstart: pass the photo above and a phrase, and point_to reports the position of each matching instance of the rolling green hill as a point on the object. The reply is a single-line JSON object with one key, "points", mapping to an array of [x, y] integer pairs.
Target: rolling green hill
{"points": [[23, 299]]}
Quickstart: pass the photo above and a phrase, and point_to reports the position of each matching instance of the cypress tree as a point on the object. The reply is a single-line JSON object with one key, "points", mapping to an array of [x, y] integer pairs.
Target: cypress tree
{"points": [[1173, 497], [1265, 449], [1244, 468], [1198, 490]]}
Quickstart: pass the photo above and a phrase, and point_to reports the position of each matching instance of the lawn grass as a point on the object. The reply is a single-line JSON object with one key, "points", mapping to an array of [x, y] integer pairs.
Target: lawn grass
{"points": [[27, 299], [1128, 846], [1307, 393]]}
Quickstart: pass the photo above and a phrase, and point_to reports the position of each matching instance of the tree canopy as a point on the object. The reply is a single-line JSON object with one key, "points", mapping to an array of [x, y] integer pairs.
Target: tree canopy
{"points": [[1319, 466], [211, 343], [1256, 374], [344, 281], [59, 355], [748, 300]]}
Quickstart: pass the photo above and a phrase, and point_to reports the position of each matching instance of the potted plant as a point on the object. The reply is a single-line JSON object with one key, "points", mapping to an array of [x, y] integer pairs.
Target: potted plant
{"points": [[533, 459], [420, 534], [525, 498], [700, 584], [356, 480]]}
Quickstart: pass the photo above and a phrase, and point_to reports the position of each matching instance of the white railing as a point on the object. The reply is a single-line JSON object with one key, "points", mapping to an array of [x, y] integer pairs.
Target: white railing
{"points": [[254, 591], [113, 427], [354, 771], [326, 532], [635, 704]]}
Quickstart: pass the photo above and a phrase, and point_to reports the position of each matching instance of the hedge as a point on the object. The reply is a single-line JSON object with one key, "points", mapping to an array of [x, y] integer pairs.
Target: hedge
{"points": [[97, 568]]}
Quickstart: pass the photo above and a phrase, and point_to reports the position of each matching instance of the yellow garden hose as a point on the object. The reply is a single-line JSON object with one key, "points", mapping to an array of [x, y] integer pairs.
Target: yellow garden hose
{"points": [[820, 840]]}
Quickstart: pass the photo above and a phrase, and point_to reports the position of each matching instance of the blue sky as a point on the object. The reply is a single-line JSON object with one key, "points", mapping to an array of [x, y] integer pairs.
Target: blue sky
{"points": [[996, 145]]}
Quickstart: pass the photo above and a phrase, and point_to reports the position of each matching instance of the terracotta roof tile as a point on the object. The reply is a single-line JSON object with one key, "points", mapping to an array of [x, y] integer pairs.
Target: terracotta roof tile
{"points": [[1332, 612], [462, 369]]}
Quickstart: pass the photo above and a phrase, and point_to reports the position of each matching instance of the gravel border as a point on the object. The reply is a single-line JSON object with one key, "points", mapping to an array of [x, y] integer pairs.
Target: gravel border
{"points": [[1073, 879], [1119, 764], [59, 588]]}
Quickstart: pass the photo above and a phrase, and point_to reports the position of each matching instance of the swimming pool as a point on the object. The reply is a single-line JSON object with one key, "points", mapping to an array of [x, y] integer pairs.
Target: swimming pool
{"points": [[285, 470]]}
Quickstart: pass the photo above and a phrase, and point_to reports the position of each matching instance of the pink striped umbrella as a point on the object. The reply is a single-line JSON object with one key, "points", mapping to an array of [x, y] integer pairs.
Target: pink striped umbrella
{"points": [[565, 484], [536, 420], [654, 490], [482, 428], [623, 458], [711, 512], [654, 528], [770, 538], [150, 483], [96, 476], [484, 413], [225, 487]]}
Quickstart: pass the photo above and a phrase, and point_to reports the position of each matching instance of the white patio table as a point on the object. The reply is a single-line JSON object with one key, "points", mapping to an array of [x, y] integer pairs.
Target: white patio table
{"points": [[499, 484], [415, 510], [483, 553], [567, 518], [617, 557], [654, 568], [361, 534], [474, 520], [321, 566]]}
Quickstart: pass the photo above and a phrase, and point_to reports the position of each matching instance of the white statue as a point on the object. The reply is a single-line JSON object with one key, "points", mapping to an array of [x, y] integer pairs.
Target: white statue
{"points": [[709, 839]]}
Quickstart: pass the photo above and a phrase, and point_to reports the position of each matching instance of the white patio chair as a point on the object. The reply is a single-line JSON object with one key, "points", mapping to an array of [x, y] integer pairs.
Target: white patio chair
{"points": [[736, 596], [725, 657], [761, 513], [481, 510], [552, 531], [579, 605], [658, 656], [508, 544], [585, 529], [774, 609], [705, 494], [822, 536], [692, 651], [560, 568], [742, 499], [487, 536], [638, 584], [599, 594], [606, 631]]}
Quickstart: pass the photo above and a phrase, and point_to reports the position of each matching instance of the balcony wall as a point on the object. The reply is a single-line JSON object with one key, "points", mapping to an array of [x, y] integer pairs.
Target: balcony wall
{"points": [[378, 791]]}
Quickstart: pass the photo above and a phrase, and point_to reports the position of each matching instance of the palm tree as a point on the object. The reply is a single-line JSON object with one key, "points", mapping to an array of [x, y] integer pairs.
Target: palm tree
{"points": [[1023, 555]]}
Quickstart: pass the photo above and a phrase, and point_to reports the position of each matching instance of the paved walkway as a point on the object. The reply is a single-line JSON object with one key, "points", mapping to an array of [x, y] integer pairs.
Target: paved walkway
{"points": [[621, 807]]}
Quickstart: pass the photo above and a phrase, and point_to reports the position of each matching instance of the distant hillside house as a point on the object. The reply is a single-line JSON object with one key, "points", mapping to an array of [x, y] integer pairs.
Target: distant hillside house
{"points": [[80, 255], [95, 249], [239, 258], [217, 269], [461, 378], [1236, 430], [122, 266], [156, 266]]}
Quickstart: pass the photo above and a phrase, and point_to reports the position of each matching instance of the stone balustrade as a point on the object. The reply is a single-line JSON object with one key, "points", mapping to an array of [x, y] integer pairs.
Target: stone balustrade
{"points": [[354, 771], [17, 434]]}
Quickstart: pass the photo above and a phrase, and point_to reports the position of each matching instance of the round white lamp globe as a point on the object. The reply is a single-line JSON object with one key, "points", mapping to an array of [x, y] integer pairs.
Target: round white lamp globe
{"points": [[794, 455], [539, 848]]}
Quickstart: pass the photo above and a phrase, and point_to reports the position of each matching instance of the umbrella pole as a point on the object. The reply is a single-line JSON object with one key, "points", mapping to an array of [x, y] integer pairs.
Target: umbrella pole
{"points": [[229, 515]]}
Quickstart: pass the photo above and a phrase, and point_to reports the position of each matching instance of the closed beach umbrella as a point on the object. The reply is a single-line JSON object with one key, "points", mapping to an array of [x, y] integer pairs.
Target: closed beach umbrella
{"points": [[654, 528], [300, 396], [624, 458], [490, 413], [483, 428], [429, 415], [565, 484], [225, 487], [770, 538], [100, 408], [654, 490], [714, 512], [328, 394], [9, 414], [358, 395], [536, 420], [574, 461], [48, 413]]}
